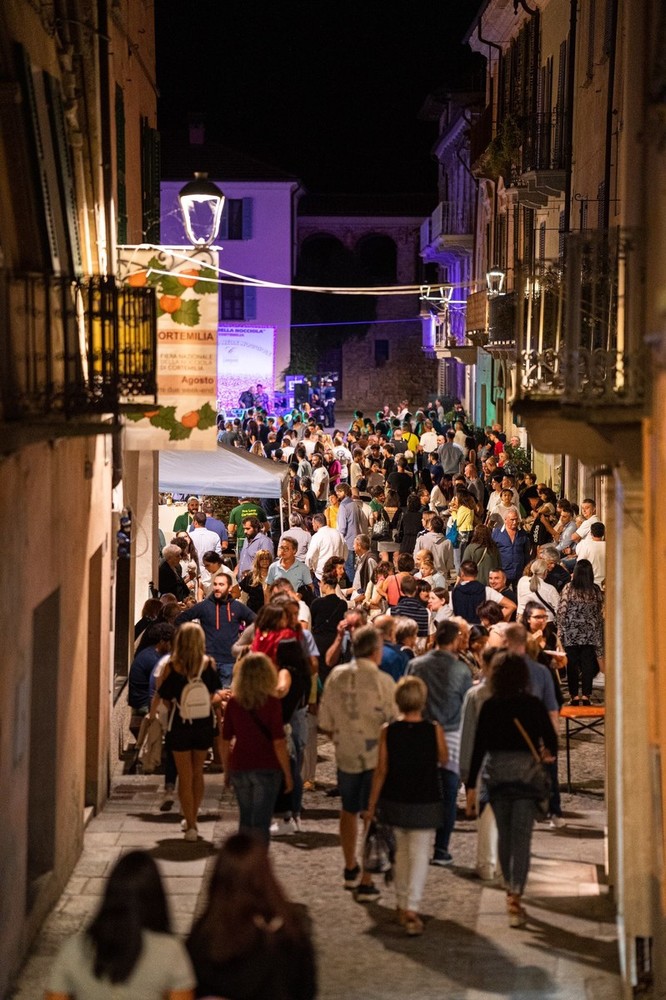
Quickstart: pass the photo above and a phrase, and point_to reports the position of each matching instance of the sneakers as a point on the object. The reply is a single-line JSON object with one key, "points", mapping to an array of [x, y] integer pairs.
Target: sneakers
{"points": [[183, 825], [283, 827], [366, 893], [351, 877], [441, 859], [169, 799], [557, 822], [191, 834]]}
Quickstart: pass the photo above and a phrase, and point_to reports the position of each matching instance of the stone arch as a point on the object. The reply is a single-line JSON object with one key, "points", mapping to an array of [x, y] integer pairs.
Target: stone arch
{"points": [[378, 256]]}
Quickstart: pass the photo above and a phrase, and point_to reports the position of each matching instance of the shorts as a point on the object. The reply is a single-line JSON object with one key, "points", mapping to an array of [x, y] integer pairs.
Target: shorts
{"points": [[185, 736], [355, 790]]}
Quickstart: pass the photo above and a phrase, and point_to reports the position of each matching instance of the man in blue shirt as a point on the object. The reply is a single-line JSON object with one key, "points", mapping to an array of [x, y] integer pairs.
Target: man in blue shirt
{"points": [[159, 637]]}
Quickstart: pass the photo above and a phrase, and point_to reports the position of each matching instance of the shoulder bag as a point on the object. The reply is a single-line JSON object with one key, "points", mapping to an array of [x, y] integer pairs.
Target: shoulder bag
{"points": [[511, 774]]}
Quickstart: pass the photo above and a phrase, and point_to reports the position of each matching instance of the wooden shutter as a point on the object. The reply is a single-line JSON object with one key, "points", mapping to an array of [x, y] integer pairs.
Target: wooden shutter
{"points": [[150, 156], [224, 222], [65, 172], [247, 218], [250, 304], [121, 166], [560, 108]]}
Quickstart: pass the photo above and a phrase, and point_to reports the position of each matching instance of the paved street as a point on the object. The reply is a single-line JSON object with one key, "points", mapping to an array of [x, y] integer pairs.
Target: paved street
{"points": [[567, 951]]}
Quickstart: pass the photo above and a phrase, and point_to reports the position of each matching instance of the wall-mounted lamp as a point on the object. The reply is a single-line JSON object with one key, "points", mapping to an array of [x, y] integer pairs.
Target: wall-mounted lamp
{"points": [[495, 278], [201, 203]]}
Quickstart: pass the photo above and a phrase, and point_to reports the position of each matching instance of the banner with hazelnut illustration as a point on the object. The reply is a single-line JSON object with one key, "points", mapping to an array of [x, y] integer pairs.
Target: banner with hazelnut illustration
{"points": [[187, 318]]}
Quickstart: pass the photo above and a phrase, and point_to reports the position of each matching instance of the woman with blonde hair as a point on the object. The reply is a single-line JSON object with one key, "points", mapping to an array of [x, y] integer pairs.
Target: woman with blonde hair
{"points": [[258, 759], [533, 587], [253, 582], [406, 792], [189, 739]]}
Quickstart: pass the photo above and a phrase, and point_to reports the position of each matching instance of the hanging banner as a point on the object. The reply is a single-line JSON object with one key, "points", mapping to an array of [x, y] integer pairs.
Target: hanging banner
{"points": [[187, 318], [245, 364]]}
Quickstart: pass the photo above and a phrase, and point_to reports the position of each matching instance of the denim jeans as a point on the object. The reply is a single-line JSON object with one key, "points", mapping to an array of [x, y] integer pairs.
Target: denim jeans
{"points": [[256, 792], [449, 781], [225, 671], [299, 736], [515, 819]]}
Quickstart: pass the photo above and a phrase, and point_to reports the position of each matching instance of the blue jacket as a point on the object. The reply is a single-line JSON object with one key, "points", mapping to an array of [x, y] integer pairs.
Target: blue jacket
{"points": [[513, 555], [221, 622]]}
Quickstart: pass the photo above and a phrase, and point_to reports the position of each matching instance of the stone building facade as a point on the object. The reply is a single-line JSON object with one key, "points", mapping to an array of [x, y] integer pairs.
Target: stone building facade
{"points": [[386, 363]]}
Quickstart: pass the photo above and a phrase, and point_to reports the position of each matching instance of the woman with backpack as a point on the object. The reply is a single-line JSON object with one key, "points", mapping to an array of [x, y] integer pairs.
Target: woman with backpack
{"points": [[190, 685]]}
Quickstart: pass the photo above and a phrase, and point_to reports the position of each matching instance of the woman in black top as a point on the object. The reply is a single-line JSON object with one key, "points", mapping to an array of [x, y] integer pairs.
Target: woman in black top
{"points": [[411, 523], [406, 788], [499, 736], [250, 942], [190, 740], [253, 583]]}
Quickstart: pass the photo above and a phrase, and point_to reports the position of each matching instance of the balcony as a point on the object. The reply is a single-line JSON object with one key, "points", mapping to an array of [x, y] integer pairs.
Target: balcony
{"points": [[448, 231], [579, 346], [74, 350]]}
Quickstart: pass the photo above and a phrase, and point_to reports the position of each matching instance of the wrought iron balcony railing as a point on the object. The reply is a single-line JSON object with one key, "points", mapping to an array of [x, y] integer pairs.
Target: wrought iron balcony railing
{"points": [[578, 326], [74, 347], [543, 146]]}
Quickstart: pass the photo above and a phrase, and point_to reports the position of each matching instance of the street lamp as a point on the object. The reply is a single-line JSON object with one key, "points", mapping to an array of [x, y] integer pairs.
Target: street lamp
{"points": [[201, 203], [495, 281]]}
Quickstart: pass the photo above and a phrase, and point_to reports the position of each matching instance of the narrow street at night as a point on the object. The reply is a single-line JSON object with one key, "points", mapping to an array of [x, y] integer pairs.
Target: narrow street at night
{"points": [[568, 950]]}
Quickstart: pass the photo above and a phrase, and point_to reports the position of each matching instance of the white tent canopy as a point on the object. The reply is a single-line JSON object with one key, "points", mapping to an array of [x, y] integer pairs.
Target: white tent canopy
{"points": [[225, 472]]}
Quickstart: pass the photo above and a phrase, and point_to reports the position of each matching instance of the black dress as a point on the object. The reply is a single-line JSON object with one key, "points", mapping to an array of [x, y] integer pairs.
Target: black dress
{"points": [[410, 526], [199, 733]]}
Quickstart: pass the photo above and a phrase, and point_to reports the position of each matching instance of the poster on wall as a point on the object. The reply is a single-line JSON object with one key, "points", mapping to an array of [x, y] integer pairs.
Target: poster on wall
{"points": [[187, 318], [245, 362]]}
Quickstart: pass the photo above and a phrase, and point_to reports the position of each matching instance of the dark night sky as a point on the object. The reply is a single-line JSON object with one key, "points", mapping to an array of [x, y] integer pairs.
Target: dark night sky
{"points": [[329, 92]]}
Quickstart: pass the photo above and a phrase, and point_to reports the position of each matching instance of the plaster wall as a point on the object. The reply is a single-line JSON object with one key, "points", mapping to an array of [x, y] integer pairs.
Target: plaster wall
{"points": [[56, 497]]}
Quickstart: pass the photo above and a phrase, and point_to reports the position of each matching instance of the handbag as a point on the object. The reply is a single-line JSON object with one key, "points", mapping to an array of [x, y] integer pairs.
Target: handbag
{"points": [[379, 849], [510, 774], [453, 535], [381, 529]]}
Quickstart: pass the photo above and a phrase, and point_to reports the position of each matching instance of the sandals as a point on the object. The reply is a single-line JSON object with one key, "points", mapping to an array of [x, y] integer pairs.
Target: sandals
{"points": [[517, 913], [413, 924], [585, 701]]}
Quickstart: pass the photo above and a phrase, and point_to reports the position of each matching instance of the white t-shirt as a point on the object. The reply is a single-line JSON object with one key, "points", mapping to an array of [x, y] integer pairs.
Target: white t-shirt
{"points": [[546, 590], [163, 967], [588, 548]]}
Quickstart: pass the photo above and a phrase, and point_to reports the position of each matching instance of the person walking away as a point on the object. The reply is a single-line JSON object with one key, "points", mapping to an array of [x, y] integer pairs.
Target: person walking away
{"points": [[499, 736], [447, 679], [406, 794], [190, 736], [254, 749], [357, 700], [250, 942], [127, 949]]}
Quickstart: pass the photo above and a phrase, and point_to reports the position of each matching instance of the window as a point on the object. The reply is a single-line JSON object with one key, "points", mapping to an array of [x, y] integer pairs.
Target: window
{"points": [[238, 302], [381, 352], [236, 222]]}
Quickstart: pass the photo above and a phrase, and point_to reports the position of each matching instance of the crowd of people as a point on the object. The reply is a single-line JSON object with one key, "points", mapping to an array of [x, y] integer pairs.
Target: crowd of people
{"points": [[429, 607]]}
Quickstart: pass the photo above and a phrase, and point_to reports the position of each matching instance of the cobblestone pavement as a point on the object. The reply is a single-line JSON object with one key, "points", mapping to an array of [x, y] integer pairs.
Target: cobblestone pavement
{"points": [[568, 949]]}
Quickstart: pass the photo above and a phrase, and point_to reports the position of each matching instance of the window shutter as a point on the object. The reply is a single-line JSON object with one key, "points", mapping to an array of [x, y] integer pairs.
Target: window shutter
{"points": [[247, 218], [42, 156], [591, 18], [560, 115], [250, 310], [224, 222], [65, 172], [150, 154], [121, 165]]}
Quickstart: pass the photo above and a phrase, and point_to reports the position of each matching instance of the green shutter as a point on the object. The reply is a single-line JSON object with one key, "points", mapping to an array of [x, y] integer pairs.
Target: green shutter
{"points": [[121, 166]]}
